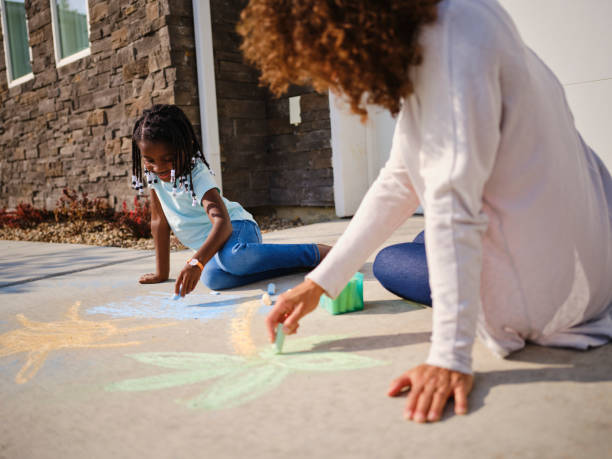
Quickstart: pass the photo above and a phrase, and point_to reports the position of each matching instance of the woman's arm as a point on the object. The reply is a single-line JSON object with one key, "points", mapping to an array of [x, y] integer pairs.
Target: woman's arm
{"points": [[161, 235], [219, 234], [388, 203]]}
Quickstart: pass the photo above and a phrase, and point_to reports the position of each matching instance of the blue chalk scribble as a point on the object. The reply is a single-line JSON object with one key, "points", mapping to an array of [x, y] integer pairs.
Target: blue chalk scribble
{"points": [[160, 305]]}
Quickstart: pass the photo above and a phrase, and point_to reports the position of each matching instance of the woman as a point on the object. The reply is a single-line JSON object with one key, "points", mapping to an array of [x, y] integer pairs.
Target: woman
{"points": [[518, 208]]}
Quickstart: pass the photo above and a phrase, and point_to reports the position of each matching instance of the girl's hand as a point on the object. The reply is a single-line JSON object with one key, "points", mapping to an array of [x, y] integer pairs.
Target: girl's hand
{"points": [[292, 306], [152, 278], [430, 389], [188, 279]]}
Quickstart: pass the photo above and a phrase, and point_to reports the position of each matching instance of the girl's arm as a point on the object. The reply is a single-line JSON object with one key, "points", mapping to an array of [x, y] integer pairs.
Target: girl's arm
{"points": [[161, 235], [219, 234]]}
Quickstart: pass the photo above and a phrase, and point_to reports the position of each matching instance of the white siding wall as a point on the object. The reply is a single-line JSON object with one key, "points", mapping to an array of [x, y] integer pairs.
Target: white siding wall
{"points": [[573, 37]]}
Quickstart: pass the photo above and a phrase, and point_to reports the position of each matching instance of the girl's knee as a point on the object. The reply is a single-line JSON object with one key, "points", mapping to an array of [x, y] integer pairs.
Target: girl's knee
{"points": [[236, 260], [213, 278]]}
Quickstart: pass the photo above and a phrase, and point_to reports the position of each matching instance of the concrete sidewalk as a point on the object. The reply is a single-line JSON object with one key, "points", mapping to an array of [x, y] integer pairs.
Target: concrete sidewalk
{"points": [[93, 364]]}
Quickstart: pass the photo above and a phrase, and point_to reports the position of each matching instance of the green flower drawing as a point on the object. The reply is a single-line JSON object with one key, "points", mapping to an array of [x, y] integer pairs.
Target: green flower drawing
{"points": [[240, 379]]}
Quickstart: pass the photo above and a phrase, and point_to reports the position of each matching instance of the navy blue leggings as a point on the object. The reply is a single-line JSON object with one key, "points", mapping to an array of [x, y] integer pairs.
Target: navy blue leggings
{"points": [[402, 269]]}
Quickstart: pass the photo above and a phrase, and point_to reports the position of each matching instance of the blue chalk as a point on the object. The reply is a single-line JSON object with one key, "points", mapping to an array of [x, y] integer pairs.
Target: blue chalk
{"points": [[271, 289], [178, 296], [280, 339], [212, 292]]}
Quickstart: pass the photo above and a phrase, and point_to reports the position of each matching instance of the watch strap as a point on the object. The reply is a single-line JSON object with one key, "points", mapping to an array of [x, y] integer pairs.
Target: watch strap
{"points": [[196, 264]]}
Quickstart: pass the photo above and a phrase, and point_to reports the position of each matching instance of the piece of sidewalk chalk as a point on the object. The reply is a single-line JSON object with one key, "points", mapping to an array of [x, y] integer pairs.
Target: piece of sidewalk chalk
{"points": [[280, 339], [265, 299], [178, 295], [271, 288], [212, 292]]}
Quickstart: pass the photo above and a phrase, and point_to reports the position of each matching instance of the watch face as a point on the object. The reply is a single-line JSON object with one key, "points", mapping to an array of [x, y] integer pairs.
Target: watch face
{"points": [[193, 262]]}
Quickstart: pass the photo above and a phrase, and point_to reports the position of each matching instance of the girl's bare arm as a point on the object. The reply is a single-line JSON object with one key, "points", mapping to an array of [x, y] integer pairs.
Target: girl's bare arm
{"points": [[161, 235], [219, 234]]}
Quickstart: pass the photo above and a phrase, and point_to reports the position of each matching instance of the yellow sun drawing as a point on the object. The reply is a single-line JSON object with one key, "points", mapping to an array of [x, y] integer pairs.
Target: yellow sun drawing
{"points": [[241, 329], [38, 339]]}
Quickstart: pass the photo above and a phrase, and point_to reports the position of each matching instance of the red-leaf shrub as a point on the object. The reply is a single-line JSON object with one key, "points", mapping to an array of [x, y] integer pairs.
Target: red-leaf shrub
{"points": [[70, 207], [138, 220], [24, 216]]}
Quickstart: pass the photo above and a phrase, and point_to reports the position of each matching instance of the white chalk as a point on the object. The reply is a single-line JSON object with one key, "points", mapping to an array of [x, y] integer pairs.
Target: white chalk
{"points": [[265, 299], [271, 288], [178, 296], [212, 292]]}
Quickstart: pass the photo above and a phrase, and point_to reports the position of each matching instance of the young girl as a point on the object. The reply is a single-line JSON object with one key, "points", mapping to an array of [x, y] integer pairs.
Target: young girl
{"points": [[518, 209], [185, 199]]}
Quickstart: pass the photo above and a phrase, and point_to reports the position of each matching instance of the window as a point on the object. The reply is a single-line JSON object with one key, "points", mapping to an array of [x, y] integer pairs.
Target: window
{"points": [[70, 30], [16, 46]]}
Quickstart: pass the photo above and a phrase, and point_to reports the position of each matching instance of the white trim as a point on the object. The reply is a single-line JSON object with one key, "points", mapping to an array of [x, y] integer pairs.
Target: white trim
{"points": [[349, 157], [73, 57], [59, 61], [206, 86], [359, 151], [20, 80], [7, 54]]}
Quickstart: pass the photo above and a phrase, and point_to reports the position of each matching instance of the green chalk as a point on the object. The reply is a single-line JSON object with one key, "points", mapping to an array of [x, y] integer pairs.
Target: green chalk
{"points": [[280, 339], [349, 300]]}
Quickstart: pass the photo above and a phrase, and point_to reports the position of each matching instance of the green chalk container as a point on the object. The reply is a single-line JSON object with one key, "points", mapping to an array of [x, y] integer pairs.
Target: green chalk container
{"points": [[349, 300]]}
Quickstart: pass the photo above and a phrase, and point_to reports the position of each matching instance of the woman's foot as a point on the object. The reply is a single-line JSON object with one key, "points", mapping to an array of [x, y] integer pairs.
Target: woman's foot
{"points": [[323, 250]]}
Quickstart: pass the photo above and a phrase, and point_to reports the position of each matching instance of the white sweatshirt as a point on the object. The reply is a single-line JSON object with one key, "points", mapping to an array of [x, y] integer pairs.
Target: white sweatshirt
{"points": [[518, 209]]}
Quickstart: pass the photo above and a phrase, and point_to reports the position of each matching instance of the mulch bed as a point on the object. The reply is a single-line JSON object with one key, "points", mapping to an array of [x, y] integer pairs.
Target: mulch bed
{"points": [[102, 233]]}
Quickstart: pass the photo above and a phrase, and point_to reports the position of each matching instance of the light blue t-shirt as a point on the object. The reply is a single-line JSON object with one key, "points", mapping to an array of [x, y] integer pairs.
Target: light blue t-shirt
{"points": [[189, 223]]}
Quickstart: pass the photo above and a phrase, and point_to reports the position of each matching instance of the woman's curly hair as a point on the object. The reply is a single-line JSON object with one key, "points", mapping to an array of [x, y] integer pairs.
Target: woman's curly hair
{"points": [[362, 49]]}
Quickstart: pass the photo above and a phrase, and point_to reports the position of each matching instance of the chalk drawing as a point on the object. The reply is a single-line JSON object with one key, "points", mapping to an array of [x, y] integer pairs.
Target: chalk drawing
{"points": [[39, 339], [240, 328], [159, 305], [241, 378]]}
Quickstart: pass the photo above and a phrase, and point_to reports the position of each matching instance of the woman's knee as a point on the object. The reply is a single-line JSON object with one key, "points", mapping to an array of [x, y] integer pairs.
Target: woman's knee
{"points": [[402, 269], [420, 238], [383, 264]]}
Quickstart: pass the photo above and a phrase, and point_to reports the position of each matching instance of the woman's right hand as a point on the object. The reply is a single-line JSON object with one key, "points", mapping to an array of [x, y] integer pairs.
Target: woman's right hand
{"points": [[291, 306], [152, 278]]}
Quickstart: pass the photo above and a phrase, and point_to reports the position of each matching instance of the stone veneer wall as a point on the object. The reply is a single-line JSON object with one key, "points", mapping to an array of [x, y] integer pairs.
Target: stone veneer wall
{"points": [[71, 126], [265, 160]]}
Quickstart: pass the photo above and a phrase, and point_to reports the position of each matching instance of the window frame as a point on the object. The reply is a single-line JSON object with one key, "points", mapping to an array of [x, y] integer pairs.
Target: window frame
{"points": [[12, 82], [59, 61]]}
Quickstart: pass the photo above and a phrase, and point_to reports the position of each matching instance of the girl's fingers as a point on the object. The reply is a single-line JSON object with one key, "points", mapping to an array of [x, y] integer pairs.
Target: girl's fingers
{"points": [[178, 283]]}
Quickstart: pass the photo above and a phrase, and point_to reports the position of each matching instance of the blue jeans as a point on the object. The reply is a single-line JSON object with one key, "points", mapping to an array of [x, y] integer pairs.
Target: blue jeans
{"points": [[244, 259], [402, 269]]}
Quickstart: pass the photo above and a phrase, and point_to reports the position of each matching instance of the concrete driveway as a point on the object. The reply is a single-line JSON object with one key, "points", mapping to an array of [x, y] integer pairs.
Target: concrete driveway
{"points": [[92, 364]]}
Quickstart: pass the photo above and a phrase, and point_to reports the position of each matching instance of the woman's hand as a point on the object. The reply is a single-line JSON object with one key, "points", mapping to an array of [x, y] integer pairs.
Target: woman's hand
{"points": [[291, 306], [187, 280], [152, 278], [430, 389]]}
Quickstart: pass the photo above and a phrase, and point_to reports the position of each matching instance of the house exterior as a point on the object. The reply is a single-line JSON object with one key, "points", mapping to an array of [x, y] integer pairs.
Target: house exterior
{"points": [[75, 74]]}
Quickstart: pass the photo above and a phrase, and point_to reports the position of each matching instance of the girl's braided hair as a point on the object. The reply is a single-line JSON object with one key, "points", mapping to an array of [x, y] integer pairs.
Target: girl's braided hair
{"points": [[362, 49], [169, 125]]}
